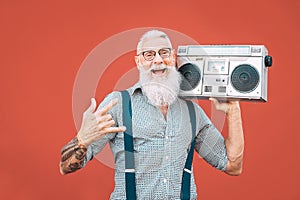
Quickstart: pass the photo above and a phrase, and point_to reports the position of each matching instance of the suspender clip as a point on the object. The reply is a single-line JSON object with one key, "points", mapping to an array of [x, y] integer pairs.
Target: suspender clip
{"points": [[187, 170], [129, 170]]}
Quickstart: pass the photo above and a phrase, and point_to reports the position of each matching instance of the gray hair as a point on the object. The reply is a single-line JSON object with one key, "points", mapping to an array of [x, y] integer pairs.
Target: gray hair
{"points": [[151, 34]]}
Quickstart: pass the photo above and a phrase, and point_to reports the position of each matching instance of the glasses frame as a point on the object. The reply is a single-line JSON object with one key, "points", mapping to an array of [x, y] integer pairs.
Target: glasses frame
{"points": [[155, 52]]}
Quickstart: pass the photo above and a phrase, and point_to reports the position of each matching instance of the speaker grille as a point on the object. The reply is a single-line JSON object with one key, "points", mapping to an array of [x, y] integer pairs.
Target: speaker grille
{"points": [[191, 76], [245, 78]]}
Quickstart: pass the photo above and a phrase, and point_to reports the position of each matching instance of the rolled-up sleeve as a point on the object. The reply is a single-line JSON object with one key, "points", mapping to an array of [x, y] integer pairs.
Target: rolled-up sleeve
{"points": [[210, 143]]}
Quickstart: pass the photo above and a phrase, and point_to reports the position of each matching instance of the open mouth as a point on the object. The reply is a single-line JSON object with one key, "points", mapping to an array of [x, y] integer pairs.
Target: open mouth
{"points": [[159, 72]]}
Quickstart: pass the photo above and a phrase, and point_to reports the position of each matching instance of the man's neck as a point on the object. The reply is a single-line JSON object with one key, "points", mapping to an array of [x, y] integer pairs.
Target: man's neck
{"points": [[164, 110]]}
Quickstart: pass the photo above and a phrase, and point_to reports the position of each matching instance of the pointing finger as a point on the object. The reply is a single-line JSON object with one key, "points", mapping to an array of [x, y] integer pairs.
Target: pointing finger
{"points": [[106, 108], [113, 129]]}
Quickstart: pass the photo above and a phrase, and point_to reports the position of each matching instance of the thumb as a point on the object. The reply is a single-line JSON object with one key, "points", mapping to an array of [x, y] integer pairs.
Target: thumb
{"points": [[92, 106], [219, 106], [214, 101]]}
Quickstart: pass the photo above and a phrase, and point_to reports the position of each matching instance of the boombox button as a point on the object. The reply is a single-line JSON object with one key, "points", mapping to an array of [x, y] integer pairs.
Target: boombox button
{"points": [[268, 61]]}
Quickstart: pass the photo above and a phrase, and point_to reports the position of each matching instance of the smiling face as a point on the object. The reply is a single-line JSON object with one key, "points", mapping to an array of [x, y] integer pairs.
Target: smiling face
{"points": [[156, 55], [155, 60]]}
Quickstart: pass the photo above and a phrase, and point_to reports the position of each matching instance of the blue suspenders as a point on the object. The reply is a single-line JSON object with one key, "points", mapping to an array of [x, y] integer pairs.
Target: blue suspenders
{"points": [[186, 177], [129, 152], [128, 143]]}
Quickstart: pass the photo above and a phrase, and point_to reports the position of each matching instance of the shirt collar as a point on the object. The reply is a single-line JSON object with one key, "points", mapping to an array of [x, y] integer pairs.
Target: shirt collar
{"points": [[135, 89]]}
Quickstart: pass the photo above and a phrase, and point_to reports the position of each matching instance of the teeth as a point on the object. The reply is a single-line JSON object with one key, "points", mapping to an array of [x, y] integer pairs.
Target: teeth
{"points": [[158, 71]]}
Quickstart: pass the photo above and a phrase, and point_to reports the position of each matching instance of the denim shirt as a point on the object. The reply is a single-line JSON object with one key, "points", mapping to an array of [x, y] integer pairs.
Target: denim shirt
{"points": [[161, 146]]}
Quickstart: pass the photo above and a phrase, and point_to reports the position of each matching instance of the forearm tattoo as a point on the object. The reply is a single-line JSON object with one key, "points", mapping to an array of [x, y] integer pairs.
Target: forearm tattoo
{"points": [[72, 156]]}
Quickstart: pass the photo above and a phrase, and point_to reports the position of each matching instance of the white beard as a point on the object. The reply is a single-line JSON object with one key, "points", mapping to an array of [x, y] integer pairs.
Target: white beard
{"points": [[160, 90]]}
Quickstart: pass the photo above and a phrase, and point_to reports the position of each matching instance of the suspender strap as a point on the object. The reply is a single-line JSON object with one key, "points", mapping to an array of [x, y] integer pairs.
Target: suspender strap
{"points": [[186, 177], [128, 143], [129, 153]]}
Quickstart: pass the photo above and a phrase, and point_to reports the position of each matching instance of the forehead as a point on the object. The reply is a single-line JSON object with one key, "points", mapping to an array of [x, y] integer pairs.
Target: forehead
{"points": [[155, 43]]}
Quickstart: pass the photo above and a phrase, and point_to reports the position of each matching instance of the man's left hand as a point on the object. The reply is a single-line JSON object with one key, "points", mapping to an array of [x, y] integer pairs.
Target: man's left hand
{"points": [[228, 107]]}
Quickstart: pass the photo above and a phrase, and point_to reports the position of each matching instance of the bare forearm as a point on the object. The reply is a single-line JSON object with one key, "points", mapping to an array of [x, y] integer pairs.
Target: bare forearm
{"points": [[235, 141], [72, 157]]}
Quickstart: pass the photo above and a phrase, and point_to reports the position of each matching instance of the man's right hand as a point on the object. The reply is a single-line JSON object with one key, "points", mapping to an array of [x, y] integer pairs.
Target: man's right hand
{"points": [[95, 124]]}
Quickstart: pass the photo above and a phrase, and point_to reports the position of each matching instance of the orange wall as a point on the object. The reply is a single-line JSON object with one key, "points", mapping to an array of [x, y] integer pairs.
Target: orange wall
{"points": [[43, 45]]}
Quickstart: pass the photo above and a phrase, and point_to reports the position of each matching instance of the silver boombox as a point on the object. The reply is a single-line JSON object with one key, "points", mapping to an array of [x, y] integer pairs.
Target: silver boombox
{"points": [[224, 71]]}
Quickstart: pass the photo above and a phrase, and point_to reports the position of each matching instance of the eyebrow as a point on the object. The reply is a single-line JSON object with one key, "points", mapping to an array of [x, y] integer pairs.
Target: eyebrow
{"points": [[152, 49]]}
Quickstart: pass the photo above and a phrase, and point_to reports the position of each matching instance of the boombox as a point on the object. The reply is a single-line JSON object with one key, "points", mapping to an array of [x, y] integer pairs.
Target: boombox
{"points": [[224, 71]]}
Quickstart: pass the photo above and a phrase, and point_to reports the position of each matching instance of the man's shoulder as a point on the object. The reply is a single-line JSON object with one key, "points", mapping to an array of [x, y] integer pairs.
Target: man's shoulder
{"points": [[136, 87], [197, 107], [185, 101], [117, 93]]}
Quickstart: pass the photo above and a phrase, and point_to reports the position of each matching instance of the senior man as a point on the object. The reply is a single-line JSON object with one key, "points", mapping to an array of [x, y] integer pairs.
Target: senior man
{"points": [[163, 131]]}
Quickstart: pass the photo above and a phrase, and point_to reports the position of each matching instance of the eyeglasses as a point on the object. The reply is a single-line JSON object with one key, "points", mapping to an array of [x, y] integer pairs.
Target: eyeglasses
{"points": [[150, 55]]}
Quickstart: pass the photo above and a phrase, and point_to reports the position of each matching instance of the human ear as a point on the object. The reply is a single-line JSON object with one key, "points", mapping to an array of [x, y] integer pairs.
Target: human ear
{"points": [[173, 59], [137, 61]]}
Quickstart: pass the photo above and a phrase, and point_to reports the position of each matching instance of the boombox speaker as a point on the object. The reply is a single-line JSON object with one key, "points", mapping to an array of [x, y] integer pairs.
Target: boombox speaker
{"points": [[224, 71]]}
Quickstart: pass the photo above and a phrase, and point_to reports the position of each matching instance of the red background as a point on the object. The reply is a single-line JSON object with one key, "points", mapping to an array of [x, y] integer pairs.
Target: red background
{"points": [[44, 43]]}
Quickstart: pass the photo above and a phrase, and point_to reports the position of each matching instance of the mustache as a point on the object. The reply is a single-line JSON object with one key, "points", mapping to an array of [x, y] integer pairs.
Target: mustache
{"points": [[157, 67]]}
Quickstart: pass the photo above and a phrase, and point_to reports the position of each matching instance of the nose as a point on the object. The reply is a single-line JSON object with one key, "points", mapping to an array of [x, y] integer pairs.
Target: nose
{"points": [[157, 59]]}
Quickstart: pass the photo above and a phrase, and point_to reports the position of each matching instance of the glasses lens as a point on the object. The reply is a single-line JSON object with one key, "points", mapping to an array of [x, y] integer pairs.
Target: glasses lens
{"points": [[149, 55], [164, 53]]}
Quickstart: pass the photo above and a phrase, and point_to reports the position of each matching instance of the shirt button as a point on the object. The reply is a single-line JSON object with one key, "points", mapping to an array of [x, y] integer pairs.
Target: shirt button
{"points": [[164, 180], [167, 137], [167, 157]]}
